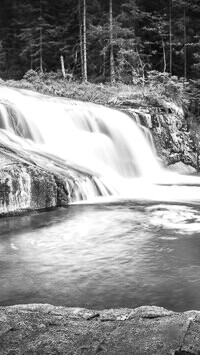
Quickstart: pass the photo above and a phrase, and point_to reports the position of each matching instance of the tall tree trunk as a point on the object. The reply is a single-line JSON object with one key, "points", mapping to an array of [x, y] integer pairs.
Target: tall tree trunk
{"points": [[104, 65], [184, 40], [14, 30], [170, 36], [80, 35], [84, 43], [41, 41], [62, 66], [112, 66], [164, 55], [31, 55], [41, 59]]}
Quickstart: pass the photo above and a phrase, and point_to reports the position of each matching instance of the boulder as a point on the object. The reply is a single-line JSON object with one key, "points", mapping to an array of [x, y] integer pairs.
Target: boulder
{"points": [[31, 180], [24, 186]]}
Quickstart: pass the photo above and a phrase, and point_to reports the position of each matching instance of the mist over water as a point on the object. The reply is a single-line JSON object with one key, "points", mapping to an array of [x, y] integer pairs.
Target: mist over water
{"points": [[139, 245]]}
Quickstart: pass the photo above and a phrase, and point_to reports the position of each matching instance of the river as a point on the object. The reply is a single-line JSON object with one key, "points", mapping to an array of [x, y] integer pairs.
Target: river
{"points": [[139, 246], [125, 253]]}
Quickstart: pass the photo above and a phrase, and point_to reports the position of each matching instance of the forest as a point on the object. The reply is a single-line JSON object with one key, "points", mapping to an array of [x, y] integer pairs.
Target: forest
{"points": [[100, 40]]}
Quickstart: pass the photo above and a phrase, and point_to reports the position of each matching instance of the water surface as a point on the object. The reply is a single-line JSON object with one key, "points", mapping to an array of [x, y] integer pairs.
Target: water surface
{"points": [[125, 254]]}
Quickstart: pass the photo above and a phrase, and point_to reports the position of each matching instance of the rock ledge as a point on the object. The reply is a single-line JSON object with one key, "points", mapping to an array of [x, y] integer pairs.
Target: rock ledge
{"points": [[46, 329]]}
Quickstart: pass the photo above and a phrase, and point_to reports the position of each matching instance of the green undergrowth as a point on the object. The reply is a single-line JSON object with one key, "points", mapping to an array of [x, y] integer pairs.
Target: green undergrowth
{"points": [[153, 90], [176, 136]]}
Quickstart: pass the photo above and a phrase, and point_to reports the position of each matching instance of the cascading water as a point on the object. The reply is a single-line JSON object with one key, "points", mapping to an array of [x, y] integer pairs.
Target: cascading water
{"points": [[105, 141], [142, 247], [102, 141]]}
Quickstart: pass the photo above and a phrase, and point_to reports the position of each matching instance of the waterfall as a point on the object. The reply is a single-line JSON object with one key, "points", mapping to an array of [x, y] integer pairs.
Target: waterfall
{"points": [[102, 141]]}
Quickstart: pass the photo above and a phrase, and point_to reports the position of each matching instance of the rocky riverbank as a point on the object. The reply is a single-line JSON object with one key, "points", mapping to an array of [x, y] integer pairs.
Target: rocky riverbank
{"points": [[170, 131], [45, 329], [32, 180]]}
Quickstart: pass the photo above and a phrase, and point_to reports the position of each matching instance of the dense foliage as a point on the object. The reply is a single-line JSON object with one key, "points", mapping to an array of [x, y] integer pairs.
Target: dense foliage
{"points": [[34, 34], [155, 45]]}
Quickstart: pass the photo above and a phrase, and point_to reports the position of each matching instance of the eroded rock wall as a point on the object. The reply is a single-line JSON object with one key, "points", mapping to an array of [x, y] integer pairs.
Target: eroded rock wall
{"points": [[31, 180], [170, 129], [24, 187]]}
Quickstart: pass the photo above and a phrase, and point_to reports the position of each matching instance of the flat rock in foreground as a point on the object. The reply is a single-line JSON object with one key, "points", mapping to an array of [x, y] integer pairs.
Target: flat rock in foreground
{"points": [[45, 329]]}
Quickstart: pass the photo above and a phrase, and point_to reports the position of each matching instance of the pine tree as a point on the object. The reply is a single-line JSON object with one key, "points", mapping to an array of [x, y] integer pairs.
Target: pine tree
{"points": [[112, 65], [170, 36], [39, 37], [183, 39], [123, 37], [84, 43]]}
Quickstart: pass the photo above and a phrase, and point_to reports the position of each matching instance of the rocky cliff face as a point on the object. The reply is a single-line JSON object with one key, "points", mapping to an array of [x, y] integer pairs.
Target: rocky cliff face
{"points": [[171, 134]]}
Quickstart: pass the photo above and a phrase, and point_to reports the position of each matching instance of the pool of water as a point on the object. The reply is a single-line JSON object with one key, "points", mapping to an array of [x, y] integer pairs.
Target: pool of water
{"points": [[122, 254]]}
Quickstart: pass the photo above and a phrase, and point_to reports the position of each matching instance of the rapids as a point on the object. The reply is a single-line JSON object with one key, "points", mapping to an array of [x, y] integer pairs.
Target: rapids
{"points": [[104, 141], [135, 240]]}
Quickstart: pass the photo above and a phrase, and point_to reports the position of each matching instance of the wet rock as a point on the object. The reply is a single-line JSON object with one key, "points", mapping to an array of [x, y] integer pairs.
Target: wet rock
{"points": [[170, 130], [191, 341], [26, 188], [31, 180], [4, 191], [182, 168], [46, 329]]}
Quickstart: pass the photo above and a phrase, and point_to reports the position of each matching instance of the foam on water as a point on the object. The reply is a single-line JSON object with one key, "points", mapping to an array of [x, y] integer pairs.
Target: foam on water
{"points": [[105, 141]]}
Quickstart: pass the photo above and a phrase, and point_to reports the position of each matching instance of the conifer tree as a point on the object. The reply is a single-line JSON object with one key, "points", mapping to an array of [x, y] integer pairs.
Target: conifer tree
{"points": [[123, 36], [84, 43], [112, 65]]}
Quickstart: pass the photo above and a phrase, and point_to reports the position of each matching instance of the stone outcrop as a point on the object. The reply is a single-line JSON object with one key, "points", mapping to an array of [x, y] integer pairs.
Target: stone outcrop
{"points": [[31, 180], [45, 329], [170, 129], [25, 187], [182, 168]]}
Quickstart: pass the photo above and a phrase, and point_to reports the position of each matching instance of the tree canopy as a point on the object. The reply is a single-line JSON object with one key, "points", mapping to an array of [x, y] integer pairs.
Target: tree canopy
{"points": [[138, 36]]}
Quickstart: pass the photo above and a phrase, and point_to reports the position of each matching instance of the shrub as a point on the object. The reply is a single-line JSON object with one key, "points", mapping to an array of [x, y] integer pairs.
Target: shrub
{"points": [[31, 75]]}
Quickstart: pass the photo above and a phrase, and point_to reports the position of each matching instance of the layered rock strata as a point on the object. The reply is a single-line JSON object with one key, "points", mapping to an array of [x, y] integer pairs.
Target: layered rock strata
{"points": [[31, 180]]}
